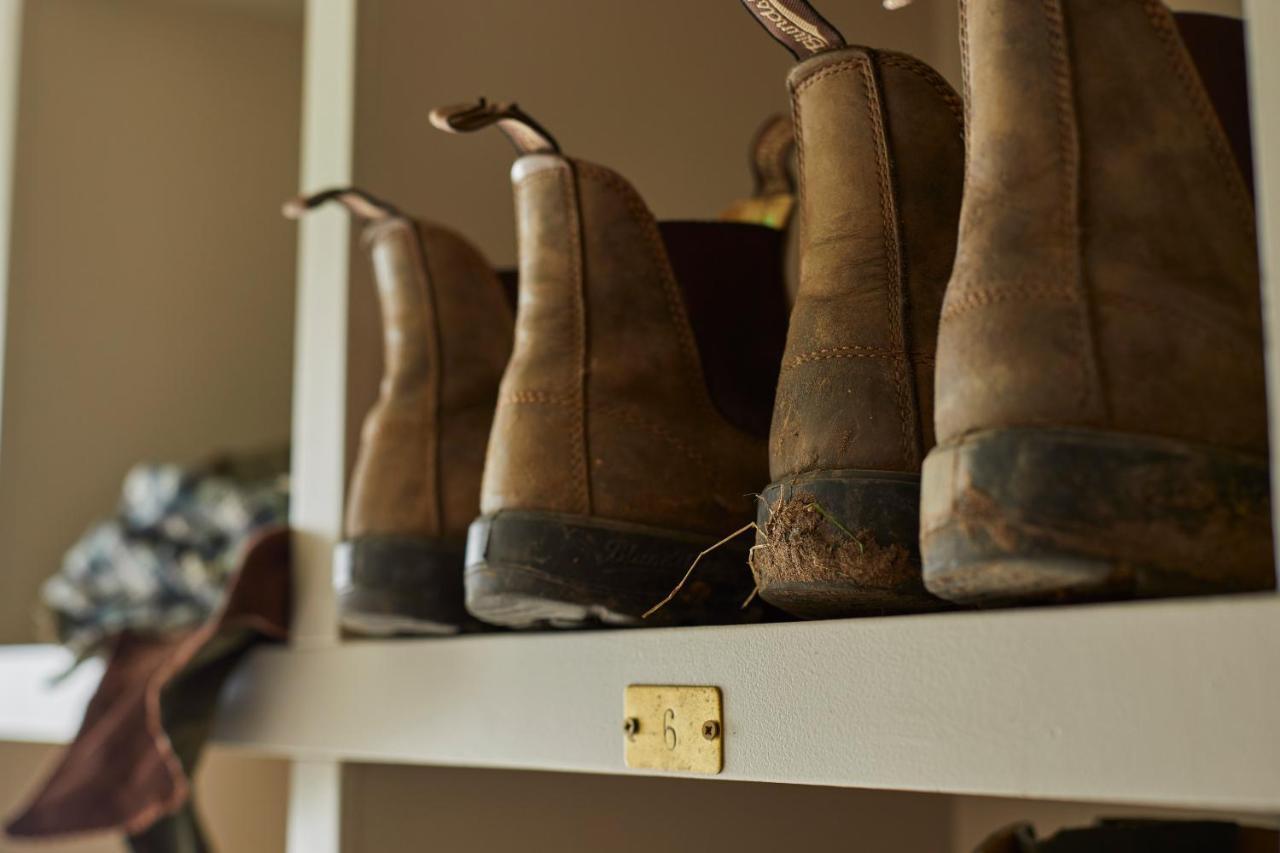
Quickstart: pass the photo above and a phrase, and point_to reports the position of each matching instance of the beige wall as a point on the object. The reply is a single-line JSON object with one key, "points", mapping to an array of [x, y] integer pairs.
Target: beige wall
{"points": [[393, 809], [667, 91], [150, 293], [241, 799]]}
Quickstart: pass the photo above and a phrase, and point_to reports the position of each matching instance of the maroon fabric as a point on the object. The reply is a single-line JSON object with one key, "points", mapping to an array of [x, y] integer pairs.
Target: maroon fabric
{"points": [[121, 771]]}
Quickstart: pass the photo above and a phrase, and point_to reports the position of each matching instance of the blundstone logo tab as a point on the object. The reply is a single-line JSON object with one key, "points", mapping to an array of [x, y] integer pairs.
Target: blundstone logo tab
{"points": [[795, 24], [800, 31]]}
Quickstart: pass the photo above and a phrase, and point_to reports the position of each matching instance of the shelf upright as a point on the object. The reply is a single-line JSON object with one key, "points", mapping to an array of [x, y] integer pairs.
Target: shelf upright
{"points": [[1263, 19], [320, 371]]}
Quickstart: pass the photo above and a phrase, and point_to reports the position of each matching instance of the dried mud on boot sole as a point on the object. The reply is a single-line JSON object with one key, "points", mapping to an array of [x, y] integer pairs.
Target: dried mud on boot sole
{"points": [[530, 570], [1026, 516], [400, 585], [841, 543]]}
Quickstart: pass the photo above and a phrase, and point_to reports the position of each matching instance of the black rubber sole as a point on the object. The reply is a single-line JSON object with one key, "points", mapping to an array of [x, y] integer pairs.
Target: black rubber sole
{"points": [[399, 585], [1025, 516], [537, 569], [841, 543]]}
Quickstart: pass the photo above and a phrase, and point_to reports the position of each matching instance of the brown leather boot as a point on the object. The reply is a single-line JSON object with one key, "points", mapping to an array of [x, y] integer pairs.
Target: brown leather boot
{"points": [[632, 419], [881, 157], [1100, 409], [447, 332]]}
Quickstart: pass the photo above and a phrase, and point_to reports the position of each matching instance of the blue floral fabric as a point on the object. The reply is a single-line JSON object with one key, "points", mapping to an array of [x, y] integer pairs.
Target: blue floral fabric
{"points": [[162, 563]]}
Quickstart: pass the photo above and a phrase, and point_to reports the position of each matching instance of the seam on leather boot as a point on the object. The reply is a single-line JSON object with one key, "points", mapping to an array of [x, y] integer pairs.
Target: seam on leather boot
{"points": [[1165, 26]]}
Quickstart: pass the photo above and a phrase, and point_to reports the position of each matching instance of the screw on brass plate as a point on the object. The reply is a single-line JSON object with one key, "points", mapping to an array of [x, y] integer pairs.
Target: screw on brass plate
{"points": [[631, 725], [711, 730]]}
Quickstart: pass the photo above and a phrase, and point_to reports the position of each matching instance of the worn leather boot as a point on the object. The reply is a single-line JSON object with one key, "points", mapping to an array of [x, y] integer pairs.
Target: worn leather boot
{"points": [[447, 333], [881, 158], [1100, 409], [632, 419]]}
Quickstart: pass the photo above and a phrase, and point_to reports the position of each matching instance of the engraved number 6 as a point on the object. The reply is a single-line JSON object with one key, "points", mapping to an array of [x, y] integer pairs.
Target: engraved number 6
{"points": [[668, 732]]}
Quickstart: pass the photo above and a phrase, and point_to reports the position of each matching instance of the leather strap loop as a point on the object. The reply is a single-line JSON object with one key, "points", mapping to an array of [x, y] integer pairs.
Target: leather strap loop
{"points": [[796, 25], [525, 134], [357, 201]]}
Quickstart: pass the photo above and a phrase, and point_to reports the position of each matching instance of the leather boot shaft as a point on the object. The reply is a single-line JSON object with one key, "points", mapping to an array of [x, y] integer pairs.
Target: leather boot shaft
{"points": [[604, 409], [880, 145], [447, 329], [1106, 274]]}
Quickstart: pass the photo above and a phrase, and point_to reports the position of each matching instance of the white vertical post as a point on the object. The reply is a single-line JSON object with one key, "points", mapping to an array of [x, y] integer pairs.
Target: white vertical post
{"points": [[314, 822], [320, 354], [10, 64], [320, 385], [1263, 27]]}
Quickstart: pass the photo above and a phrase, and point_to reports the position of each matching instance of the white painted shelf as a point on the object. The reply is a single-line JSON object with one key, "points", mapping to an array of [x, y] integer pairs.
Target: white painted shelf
{"points": [[1163, 703], [39, 701]]}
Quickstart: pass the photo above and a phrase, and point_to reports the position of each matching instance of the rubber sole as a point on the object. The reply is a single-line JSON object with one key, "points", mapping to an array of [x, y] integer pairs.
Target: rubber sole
{"points": [[841, 543], [537, 569], [1025, 516], [399, 585]]}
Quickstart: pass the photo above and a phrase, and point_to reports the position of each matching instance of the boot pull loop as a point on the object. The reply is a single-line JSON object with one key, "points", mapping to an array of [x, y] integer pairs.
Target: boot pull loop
{"points": [[773, 199], [525, 134], [796, 25], [357, 201]]}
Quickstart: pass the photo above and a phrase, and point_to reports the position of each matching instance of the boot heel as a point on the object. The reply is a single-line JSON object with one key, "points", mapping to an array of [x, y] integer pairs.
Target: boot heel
{"points": [[841, 543], [1056, 515], [399, 585], [541, 569]]}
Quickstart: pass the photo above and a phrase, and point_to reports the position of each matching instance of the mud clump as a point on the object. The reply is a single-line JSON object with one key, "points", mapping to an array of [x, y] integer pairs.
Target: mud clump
{"points": [[802, 543]]}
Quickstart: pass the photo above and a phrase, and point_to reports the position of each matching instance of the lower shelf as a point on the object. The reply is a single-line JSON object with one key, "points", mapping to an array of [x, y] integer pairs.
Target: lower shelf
{"points": [[1163, 703]]}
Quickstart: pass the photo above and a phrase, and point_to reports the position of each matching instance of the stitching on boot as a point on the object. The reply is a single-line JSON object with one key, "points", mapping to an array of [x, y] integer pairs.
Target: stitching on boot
{"points": [[579, 437], [675, 301], [854, 351], [1064, 108], [986, 296], [827, 71], [538, 397], [928, 74], [893, 268], [427, 294], [1167, 29], [964, 76], [796, 128], [622, 412]]}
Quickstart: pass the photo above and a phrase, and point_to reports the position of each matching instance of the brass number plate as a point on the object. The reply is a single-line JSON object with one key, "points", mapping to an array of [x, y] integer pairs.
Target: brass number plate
{"points": [[669, 727]]}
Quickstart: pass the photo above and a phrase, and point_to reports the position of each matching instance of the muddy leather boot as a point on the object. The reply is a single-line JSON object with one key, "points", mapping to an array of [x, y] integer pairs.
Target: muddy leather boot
{"points": [[447, 333], [881, 159], [1101, 418], [632, 420]]}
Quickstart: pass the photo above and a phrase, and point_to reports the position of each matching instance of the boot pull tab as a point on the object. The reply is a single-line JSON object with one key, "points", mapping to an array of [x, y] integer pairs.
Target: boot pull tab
{"points": [[357, 201], [796, 25], [525, 134], [772, 202]]}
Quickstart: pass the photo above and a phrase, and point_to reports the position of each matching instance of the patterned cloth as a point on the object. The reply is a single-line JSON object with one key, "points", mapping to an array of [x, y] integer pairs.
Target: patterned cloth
{"points": [[163, 562]]}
